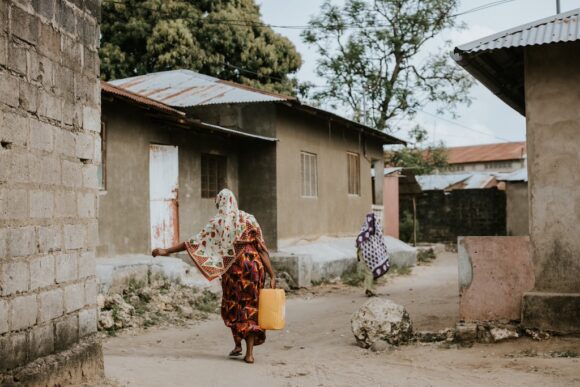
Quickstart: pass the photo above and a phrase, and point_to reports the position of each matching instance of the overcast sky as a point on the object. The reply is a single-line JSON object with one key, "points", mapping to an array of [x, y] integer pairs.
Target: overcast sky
{"points": [[488, 119]]}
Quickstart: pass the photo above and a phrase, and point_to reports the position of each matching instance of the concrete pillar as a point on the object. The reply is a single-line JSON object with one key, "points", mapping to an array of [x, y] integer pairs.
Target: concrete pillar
{"points": [[552, 89], [391, 204], [49, 145]]}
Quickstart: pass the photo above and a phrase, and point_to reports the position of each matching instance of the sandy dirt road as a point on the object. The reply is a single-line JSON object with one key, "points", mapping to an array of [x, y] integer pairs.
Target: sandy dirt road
{"points": [[318, 349]]}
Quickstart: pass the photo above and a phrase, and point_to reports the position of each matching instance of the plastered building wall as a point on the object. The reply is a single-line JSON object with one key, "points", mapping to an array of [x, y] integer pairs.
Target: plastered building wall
{"points": [[124, 223]]}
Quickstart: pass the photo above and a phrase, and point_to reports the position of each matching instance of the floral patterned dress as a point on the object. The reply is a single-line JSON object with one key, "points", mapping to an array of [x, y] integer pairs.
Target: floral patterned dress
{"points": [[241, 286]]}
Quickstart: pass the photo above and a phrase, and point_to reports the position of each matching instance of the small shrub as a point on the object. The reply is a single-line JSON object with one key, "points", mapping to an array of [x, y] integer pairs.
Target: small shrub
{"points": [[207, 302], [353, 278], [425, 256]]}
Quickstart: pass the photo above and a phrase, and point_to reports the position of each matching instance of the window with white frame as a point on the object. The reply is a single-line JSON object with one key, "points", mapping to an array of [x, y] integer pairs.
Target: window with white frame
{"points": [[308, 163], [353, 170]]}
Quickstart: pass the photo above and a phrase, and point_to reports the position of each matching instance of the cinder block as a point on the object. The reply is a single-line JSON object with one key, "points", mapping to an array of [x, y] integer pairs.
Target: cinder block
{"points": [[17, 165], [13, 204], [87, 321], [16, 127], [92, 234], [4, 316], [3, 240], [64, 82], [41, 341], [41, 69], [14, 277], [66, 267], [18, 58], [21, 241], [92, 119], [65, 204], [49, 105], [49, 42], [65, 142], [3, 48], [65, 16], [24, 312], [85, 146], [42, 272], [44, 8], [74, 236], [8, 83], [49, 238], [66, 331], [74, 297], [90, 61], [28, 96], [89, 32], [72, 174], [90, 179], [24, 25], [46, 169], [41, 204], [14, 351], [51, 305], [71, 54], [87, 264], [98, 151], [42, 135], [90, 291], [86, 205]]}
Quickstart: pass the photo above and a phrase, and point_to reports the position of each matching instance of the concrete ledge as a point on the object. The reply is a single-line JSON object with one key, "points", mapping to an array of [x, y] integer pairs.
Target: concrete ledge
{"points": [[114, 273], [329, 258], [80, 364], [556, 312]]}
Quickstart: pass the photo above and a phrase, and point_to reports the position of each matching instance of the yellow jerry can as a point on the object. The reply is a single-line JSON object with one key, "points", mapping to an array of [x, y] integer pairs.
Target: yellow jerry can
{"points": [[272, 309]]}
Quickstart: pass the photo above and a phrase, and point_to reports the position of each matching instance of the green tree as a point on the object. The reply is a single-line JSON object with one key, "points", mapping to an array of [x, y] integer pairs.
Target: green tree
{"points": [[420, 158], [370, 55], [222, 38]]}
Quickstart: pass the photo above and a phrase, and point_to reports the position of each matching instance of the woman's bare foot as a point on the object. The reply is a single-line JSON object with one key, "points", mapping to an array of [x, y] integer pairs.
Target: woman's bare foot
{"points": [[237, 351], [249, 359]]}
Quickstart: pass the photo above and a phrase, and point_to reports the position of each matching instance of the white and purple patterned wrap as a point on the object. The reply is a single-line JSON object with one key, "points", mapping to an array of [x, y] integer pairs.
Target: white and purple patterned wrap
{"points": [[371, 244]]}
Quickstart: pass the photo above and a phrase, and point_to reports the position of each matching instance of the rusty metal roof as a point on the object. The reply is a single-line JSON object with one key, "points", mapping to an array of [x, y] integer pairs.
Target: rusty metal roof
{"points": [[486, 152], [185, 88], [110, 89], [564, 27]]}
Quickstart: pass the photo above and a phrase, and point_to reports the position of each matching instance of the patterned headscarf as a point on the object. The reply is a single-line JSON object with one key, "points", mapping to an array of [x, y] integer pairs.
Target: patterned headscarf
{"points": [[371, 244], [212, 250]]}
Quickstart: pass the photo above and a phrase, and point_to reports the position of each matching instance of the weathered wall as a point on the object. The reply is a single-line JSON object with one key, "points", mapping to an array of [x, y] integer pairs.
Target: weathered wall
{"points": [[124, 224], [257, 167], [494, 273], [553, 136], [442, 216], [49, 152], [517, 208], [334, 212], [391, 205]]}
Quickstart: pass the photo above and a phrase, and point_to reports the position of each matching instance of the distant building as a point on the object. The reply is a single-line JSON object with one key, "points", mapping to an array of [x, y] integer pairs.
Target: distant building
{"points": [[173, 139], [501, 157]]}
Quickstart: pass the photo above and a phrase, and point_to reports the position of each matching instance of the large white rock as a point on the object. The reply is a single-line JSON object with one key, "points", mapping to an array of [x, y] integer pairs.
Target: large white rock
{"points": [[381, 319]]}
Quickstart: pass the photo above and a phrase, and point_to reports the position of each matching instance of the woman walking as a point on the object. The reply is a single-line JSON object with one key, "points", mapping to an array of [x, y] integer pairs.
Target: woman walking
{"points": [[231, 246], [372, 255]]}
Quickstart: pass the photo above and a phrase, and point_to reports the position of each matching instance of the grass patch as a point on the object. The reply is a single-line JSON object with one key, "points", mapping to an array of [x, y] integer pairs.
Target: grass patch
{"points": [[404, 270], [353, 278], [425, 256], [207, 302], [564, 354]]}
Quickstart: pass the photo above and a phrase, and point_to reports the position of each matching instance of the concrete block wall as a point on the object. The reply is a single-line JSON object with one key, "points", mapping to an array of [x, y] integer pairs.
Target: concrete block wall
{"points": [[49, 153]]}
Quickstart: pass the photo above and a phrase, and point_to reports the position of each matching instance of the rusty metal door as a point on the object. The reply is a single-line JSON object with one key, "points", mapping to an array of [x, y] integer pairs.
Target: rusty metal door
{"points": [[163, 187]]}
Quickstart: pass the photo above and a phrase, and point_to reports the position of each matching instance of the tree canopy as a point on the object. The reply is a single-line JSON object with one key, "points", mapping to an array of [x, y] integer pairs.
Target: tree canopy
{"points": [[370, 55], [222, 38], [421, 158]]}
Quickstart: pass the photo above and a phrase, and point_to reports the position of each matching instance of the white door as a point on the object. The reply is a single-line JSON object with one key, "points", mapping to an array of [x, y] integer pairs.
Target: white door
{"points": [[163, 178]]}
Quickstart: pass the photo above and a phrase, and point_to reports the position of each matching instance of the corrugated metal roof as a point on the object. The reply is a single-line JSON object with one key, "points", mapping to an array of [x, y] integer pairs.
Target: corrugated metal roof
{"points": [[185, 88], [110, 89], [519, 175], [388, 171], [474, 180], [486, 152], [564, 27]]}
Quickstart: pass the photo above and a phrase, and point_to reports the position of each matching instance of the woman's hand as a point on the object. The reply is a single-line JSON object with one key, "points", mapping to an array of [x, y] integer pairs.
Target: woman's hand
{"points": [[272, 282], [160, 252]]}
